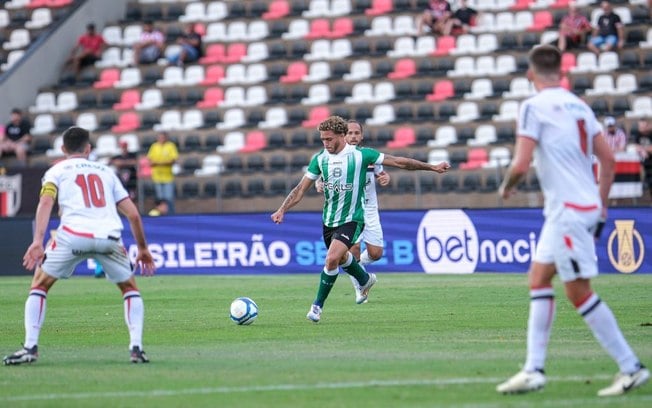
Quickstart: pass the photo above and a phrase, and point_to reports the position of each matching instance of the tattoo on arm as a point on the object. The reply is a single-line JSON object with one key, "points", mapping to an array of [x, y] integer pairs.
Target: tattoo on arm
{"points": [[293, 198]]}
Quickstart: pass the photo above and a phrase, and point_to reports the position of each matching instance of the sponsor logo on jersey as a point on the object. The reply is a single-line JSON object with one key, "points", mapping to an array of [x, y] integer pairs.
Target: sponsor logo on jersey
{"points": [[625, 247]]}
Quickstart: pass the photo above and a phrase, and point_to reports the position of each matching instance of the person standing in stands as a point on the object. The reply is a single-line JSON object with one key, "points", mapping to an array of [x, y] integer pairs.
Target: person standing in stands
{"points": [[162, 155]]}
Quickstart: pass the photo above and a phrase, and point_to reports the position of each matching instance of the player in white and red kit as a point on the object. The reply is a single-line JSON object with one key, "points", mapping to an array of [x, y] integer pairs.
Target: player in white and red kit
{"points": [[89, 195], [562, 134]]}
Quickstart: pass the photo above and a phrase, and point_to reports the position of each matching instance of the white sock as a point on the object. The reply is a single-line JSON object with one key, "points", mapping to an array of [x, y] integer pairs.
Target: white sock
{"points": [[134, 316], [35, 306], [602, 322], [364, 258], [542, 314]]}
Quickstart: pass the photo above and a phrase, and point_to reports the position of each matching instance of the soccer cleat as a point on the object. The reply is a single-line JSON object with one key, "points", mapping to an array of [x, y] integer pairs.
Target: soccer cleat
{"points": [[138, 355], [358, 291], [624, 383], [23, 355], [364, 289], [523, 381], [314, 313]]}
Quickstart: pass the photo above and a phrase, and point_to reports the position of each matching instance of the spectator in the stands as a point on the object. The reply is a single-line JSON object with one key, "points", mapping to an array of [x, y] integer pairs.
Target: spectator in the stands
{"points": [[643, 140], [609, 33], [616, 137], [149, 48], [573, 29], [88, 49], [125, 165], [463, 18], [16, 137], [191, 46], [437, 17]]}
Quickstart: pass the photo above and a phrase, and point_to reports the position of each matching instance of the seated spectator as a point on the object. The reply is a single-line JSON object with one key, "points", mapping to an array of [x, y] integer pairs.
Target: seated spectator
{"points": [[463, 18], [573, 29], [437, 17], [191, 48], [616, 137], [88, 50], [643, 140], [150, 46], [609, 33], [16, 138], [125, 166]]}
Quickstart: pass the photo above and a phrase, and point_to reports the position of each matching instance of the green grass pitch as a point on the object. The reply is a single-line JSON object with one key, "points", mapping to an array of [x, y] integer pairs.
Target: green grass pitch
{"points": [[421, 341]]}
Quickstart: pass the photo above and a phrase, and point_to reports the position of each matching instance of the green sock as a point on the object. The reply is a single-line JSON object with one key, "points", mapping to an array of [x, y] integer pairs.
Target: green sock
{"points": [[326, 283], [356, 270]]}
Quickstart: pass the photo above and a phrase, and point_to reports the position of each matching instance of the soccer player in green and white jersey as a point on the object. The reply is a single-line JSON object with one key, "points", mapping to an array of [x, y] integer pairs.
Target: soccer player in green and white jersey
{"points": [[343, 168]]}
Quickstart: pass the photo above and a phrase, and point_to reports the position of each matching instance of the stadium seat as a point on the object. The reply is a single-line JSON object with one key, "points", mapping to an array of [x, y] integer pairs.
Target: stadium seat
{"points": [[131, 34], [444, 136], [465, 44], [128, 122], [255, 96], [274, 117], [235, 74], [193, 75], [519, 88], [379, 7], [295, 73], [317, 94], [194, 12], [480, 89], [541, 20], [316, 116], [360, 69], [404, 68], [403, 47], [362, 92], [128, 100], [214, 74], [499, 156], [41, 17], [254, 141], [608, 61], [585, 62], [342, 27], [55, 151], [13, 57], [43, 125], [256, 52], [381, 115], [508, 111], [464, 66], [150, 99], [641, 107], [211, 165], [403, 137], [18, 39], [626, 84], [476, 158], [436, 156], [106, 146], [441, 90], [319, 28], [505, 65], [233, 118], [317, 8], [234, 53], [107, 79], [384, 91], [214, 54], [466, 112], [45, 102], [170, 120], [568, 62], [444, 45], [129, 78], [192, 119], [277, 9], [233, 142], [298, 28], [484, 135], [602, 85], [87, 120], [318, 72]]}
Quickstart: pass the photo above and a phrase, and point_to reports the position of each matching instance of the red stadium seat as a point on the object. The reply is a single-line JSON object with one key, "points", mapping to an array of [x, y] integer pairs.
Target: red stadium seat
{"points": [[214, 54], [319, 28], [403, 137], [441, 90], [128, 100], [59, 3], [404, 68], [444, 45], [212, 98], [560, 4], [214, 74], [341, 27], [542, 20], [128, 122], [235, 52], [521, 5], [254, 141], [200, 29], [568, 62], [379, 7], [296, 71], [108, 77], [277, 9], [476, 158], [317, 115], [144, 168]]}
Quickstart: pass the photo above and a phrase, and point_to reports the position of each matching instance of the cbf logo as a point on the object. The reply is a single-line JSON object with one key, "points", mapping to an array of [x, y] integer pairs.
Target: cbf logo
{"points": [[626, 248], [447, 242]]}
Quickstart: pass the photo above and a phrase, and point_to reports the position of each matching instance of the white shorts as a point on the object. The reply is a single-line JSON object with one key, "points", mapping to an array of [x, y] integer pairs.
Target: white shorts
{"points": [[567, 241], [373, 232], [66, 250]]}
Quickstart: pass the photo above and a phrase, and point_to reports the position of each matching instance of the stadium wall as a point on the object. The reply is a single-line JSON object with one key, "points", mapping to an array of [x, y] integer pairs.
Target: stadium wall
{"points": [[42, 63], [15, 237], [435, 241]]}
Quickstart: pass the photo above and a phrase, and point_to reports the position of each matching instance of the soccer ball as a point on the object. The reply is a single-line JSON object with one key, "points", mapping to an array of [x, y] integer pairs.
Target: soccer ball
{"points": [[243, 311]]}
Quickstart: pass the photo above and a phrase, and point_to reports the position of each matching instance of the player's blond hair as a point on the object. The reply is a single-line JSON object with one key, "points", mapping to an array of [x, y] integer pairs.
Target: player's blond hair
{"points": [[335, 124]]}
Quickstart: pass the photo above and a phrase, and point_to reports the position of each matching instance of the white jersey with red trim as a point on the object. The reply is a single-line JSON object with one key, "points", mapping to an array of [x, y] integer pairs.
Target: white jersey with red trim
{"points": [[564, 128], [88, 193]]}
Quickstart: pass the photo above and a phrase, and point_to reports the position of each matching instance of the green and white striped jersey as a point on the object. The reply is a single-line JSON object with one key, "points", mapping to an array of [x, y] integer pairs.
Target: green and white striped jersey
{"points": [[344, 177]]}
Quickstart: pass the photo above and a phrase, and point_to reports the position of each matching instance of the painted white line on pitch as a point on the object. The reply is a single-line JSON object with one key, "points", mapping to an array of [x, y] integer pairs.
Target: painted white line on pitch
{"points": [[278, 387]]}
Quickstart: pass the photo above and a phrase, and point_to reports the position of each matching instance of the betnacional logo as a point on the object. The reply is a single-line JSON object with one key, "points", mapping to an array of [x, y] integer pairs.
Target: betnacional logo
{"points": [[447, 242], [626, 248]]}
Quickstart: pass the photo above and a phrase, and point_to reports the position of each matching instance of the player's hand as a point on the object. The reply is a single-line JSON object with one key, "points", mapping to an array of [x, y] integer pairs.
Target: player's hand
{"points": [[33, 256], [383, 178], [319, 186], [442, 167], [145, 262], [277, 217]]}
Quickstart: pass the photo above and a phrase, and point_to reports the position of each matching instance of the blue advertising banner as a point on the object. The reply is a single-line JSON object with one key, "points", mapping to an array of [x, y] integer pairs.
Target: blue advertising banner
{"points": [[435, 241]]}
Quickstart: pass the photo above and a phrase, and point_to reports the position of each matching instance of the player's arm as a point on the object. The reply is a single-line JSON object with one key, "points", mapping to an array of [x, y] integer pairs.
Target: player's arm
{"points": [[35, 252], [523, 151], [607, 167], [293, 198], [144, 258], [407, 163]]}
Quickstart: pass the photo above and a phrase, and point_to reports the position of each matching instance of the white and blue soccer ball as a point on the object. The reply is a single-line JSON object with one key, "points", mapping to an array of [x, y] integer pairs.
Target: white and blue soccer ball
{"points": [[244, 311]]}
